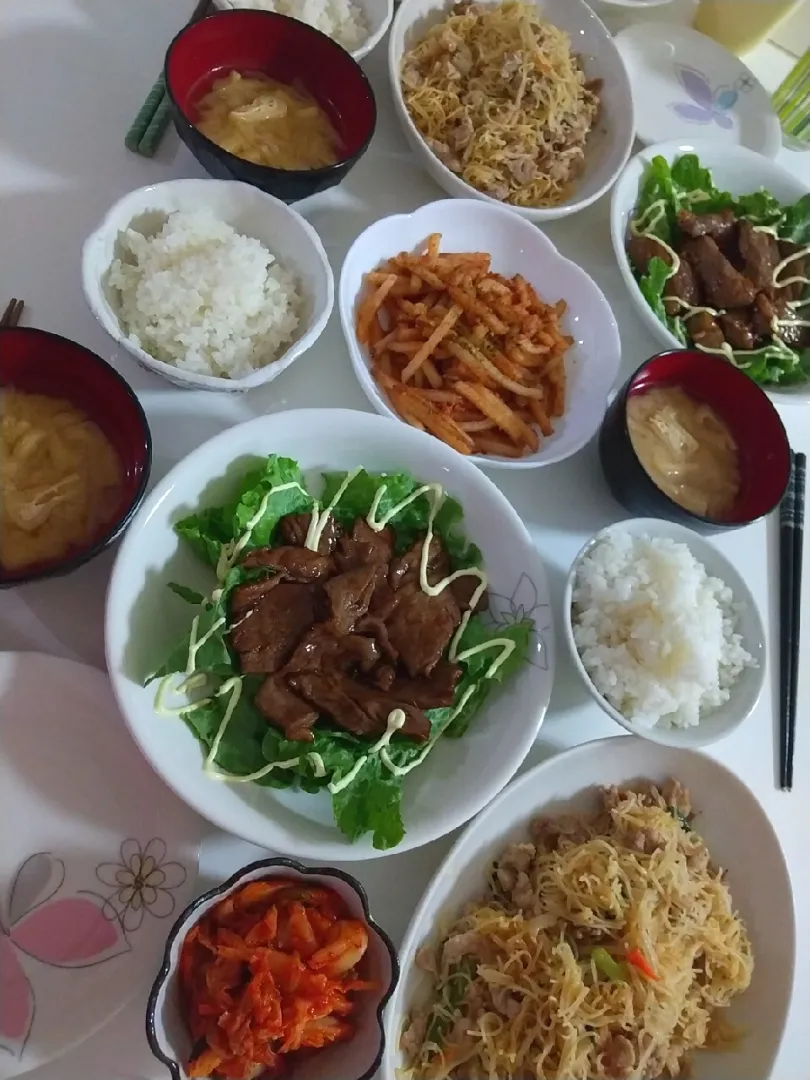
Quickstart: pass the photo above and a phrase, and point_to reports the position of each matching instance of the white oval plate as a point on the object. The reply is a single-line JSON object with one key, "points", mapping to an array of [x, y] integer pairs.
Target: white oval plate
{"points": [[97, 858], [740, 839], [144, 623], [686, 86], [517, 247]]}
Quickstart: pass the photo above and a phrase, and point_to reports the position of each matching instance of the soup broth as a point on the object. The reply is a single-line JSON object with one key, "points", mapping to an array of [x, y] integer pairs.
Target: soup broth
{"points": [[269, 123], [686, 449], [61, 480]]}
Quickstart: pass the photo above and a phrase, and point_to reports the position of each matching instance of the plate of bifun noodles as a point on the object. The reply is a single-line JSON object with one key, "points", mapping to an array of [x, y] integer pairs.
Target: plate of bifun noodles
{"points": [[622, 910]]}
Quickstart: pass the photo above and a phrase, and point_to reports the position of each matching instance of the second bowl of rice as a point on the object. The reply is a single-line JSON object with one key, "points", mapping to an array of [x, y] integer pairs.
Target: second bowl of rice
{"points": [[664, 632], [356, 25], [214, 285]]}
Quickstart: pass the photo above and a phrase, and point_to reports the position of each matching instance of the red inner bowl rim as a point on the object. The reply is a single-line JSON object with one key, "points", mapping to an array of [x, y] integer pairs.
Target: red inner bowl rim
{"points": [[57, 567], [636, 383], [216, 148]]}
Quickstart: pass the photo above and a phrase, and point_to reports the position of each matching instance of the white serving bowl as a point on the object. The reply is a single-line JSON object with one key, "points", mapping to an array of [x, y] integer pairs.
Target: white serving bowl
{"points": [[740, 838], [377, 14], [143, 624], [251, 212], [611, 140], [735, 169], [356, 1059], [592, 364], [745, 693]]}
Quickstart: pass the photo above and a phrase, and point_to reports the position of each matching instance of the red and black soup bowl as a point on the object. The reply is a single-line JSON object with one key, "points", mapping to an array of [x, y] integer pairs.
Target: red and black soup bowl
{"points": [[287, 50], [764, 450], [38, 362]]}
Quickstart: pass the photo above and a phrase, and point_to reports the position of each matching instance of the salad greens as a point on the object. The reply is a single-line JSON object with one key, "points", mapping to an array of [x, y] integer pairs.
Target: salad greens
{"points": [[687, 185], [371, 802]]}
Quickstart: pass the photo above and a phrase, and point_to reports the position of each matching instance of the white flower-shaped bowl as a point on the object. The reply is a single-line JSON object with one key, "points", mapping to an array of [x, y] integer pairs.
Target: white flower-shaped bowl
{"points": [[376, 13], [357, 1059], [250, 212], [733, 168], [517, 247], [610, 142], [745, 693]]}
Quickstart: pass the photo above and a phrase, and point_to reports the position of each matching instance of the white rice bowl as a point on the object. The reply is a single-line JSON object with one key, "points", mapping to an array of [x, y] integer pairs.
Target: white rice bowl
{"points": [[341, 20], [198, 295], [656, 634]]}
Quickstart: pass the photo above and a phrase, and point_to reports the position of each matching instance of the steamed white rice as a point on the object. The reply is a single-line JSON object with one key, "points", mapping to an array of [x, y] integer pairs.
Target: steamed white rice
{"points": [[202, 297], [338, 19], [655, 633]]}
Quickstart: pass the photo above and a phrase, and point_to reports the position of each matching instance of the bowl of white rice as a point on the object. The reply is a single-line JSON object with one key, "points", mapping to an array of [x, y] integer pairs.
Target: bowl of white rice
{"points": [[664, 632], [212, 284], [356, 25]]}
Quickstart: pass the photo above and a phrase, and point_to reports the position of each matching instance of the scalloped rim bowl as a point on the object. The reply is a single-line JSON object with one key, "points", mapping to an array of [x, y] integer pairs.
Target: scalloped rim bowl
{"points": [[378, 15], [735, 169], [611, 140], [357, 1059], [251, 212], [592, 365], [745, 693]]}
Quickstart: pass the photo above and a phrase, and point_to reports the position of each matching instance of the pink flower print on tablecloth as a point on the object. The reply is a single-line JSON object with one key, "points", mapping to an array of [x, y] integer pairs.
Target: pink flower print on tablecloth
{"points": [[143, 882], [58, 931]]}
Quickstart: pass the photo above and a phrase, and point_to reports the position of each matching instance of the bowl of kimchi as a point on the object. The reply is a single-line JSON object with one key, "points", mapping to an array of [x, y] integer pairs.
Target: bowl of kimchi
{"points": [[278, 972]]}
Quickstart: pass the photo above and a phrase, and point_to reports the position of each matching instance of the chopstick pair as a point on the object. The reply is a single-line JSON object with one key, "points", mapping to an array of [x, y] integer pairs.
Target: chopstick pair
{"points": [[13, 313], [149, 126], [791, 537]]}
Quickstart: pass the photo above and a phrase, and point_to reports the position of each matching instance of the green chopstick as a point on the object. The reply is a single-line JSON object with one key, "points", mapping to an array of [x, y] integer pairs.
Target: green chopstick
{"points": [[157, 128], [149, 126], [146, 114]]}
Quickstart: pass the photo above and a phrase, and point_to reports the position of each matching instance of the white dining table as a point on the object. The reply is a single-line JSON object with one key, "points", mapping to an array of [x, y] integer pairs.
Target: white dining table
{"points": [[72, 75]]}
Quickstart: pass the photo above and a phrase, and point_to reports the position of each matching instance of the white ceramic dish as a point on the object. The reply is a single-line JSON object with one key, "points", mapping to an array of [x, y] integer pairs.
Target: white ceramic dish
{"points": [[251, 212], [739, 836], [612, 138], [377, 14], [687, 86], [97, 857], [734, 169], [143, 624], [592, 365], [356, 1059], [746, 691]]}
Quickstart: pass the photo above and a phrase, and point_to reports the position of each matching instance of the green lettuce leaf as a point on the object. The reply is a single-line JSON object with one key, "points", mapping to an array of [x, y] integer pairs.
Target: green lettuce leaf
{"points": [[209, 530]]}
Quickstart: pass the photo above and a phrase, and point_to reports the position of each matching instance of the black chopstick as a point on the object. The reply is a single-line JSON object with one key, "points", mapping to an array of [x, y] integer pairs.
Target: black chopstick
{"points": [[791, 537]]}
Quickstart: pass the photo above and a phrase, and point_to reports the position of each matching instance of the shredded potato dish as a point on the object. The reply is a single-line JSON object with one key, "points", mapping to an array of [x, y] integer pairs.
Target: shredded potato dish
{"points": [[60, 479], [501, 100], [473, 357], [605, 948]]}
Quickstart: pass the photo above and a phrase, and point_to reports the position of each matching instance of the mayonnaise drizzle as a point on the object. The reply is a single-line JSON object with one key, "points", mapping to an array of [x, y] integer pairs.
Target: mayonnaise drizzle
{"points": [[435, 493], [231, 552], [799, 279], [320, 520], [395, 722], [403, 770]]}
